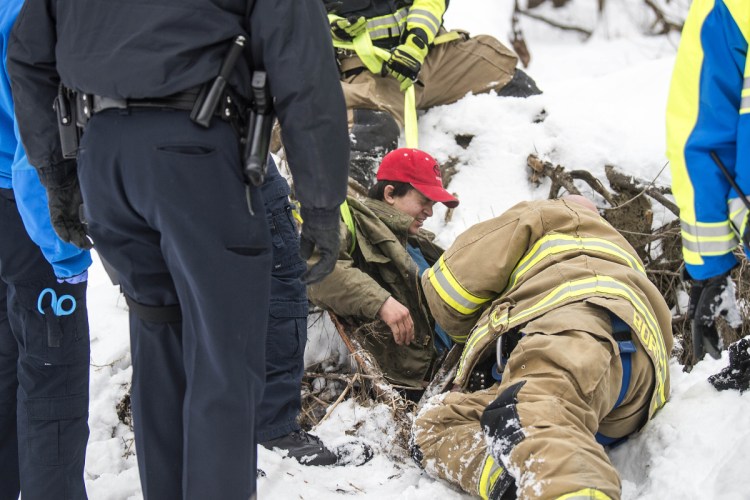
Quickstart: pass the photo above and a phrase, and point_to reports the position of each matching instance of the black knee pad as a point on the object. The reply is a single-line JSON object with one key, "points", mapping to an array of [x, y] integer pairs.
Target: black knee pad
{"points": [[501, 423], [374, 134], [521, 85], [416, 452]]}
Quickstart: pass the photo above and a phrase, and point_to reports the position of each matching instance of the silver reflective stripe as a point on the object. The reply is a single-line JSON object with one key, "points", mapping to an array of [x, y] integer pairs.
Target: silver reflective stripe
{"points": [[387, 26], [745, 104], [738, 213], [448, 288], [552, 245], [432, 26], [714, 239], [714, 231], [746, 83], [704, 247]]}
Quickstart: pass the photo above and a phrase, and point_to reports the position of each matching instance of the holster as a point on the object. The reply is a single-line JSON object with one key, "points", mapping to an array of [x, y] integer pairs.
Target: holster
{"points": [[70, 133]]}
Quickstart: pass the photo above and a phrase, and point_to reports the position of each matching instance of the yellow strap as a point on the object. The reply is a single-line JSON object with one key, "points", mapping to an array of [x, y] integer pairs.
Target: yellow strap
{"points": [[446, 37], [373, 57], [346, 214], [411, 130], [295, 211]]}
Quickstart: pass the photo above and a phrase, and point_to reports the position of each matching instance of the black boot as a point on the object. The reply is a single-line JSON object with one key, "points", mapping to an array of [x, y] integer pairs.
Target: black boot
{"points": [[737, 375], [521, 85], [305, 448], [373, 135]]}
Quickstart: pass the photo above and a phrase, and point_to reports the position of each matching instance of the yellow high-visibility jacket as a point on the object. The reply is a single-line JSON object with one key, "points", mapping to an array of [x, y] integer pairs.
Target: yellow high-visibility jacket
{"points": [[387, 20], [709, 111]]}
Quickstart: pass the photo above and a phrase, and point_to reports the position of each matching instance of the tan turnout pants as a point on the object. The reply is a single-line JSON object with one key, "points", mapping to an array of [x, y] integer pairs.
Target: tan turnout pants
{"points": [[571, 381], [450, 71]]}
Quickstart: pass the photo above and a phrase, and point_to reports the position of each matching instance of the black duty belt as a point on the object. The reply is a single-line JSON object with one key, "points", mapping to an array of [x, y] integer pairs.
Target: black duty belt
{"points": [[89, 104]]}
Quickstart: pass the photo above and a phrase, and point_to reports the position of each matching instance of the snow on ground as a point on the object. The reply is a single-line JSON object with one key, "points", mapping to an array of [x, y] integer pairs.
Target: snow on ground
{"points": [[603, 103]]}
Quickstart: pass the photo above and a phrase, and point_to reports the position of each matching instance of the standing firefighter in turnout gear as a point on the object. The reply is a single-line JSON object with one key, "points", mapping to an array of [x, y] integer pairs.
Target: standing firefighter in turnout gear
{"points": [[444, 65], [167, 205], [44, 331], [560, 304], [708, 145]]}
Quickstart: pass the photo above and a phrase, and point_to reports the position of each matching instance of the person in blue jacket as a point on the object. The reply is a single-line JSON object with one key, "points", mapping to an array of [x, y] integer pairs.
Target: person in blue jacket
{"points": [[277, 415], [708, 145], [44, 333]]}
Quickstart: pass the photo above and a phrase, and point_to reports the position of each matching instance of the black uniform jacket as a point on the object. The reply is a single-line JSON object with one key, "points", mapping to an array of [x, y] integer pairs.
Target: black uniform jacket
{"points": [[153, 48]]}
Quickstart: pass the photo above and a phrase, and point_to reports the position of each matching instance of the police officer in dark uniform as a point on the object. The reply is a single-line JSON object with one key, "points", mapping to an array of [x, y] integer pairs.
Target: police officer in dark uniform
{"points": [[167, 204], [276, 425]]}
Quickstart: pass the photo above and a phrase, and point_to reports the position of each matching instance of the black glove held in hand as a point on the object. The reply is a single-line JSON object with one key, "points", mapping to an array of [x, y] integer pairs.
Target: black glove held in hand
{"points": [[737, 374], [320, 231], [65, 202], [706, 304]]}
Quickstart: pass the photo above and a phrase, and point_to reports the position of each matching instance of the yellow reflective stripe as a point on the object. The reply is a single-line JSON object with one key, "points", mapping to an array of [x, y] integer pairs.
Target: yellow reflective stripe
{"points": [[474, 337], [451, 291], [554, 244], [648, 329], [388, 26], [426, 19], [745, 105], [491, 471], [738, 215], [708, 238], [346, 214], [707, 230], [585, 494]]}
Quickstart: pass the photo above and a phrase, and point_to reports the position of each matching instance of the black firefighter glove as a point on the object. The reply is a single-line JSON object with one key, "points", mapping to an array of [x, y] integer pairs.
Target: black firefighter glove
{"points": [[709, 299], [320, 231], [737, 374], [65, 202]]}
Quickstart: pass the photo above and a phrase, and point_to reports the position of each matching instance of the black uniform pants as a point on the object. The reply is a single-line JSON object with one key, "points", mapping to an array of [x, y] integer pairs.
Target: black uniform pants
{"points": [[287, 321], [167, 208], [43, 390]]}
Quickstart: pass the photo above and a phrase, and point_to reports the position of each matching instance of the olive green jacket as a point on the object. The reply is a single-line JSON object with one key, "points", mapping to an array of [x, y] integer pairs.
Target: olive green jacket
{"points": [[380, 267]]}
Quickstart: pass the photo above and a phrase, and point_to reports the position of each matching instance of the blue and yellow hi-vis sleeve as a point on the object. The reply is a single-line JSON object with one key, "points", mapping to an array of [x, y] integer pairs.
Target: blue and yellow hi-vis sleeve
{"points": [[709, 111]]}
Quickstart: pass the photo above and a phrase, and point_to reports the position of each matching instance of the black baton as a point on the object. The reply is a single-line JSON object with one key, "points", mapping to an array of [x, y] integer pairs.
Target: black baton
{"points": [[206, 104]]}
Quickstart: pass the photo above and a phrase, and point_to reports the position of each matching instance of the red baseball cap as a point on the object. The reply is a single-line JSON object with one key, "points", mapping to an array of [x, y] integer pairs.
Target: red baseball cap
{"points": [[418, 169]]}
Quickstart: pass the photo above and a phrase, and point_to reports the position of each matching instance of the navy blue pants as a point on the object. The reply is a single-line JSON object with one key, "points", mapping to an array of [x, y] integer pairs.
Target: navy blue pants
{"points": [[287, 321], [167, 208], [44, 390]]}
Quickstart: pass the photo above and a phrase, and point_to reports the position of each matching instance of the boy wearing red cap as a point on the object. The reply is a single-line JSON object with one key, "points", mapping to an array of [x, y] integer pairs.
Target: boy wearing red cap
{"points": [[380, 262]]}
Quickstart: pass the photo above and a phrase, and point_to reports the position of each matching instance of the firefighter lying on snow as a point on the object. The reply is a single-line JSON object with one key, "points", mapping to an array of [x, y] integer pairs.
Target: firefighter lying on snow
{"points": [[558, 304]]}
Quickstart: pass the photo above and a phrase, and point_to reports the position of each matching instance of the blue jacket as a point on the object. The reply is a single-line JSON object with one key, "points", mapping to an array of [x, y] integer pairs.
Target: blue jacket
{"points": [[16, 173], [709, 111]]}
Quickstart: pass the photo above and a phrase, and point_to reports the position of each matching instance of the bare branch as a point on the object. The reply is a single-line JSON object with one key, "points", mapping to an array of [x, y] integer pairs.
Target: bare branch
{"points": [[577, 29]]}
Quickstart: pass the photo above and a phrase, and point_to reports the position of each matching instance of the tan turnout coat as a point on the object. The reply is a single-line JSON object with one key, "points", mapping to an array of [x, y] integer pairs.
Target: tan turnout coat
{"points": [[556, 272]]}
